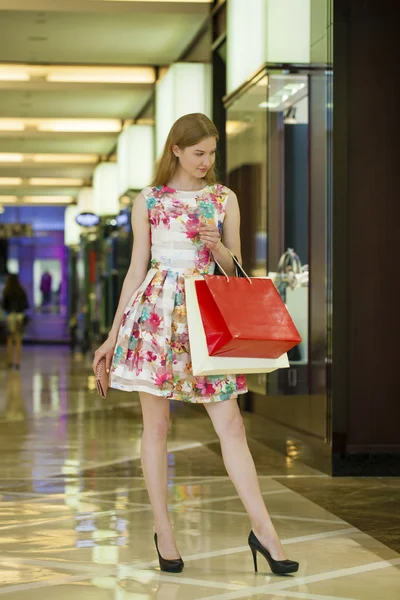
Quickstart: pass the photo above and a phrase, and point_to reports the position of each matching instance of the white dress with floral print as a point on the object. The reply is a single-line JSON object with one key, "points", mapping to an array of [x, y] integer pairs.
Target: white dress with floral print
{"points": [[152, 353]]}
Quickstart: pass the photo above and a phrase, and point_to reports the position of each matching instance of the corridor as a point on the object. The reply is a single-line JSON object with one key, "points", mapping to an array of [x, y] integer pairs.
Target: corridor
{"points": [[76, 521]]}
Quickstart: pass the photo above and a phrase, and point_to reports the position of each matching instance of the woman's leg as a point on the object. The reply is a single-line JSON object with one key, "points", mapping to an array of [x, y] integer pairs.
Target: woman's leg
{"points": [[18, 349], [156, 410], [10, 349], [229, 426]]}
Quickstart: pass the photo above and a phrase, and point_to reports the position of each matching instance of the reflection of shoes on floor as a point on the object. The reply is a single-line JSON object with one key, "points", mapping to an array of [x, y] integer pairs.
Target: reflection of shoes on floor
{"points": [[17, 366]]}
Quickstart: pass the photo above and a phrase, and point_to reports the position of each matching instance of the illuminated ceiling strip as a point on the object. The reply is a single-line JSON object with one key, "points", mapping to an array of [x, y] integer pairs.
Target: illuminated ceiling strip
{"points": [[36, 200], [11, 157], [63, 125], [48, 199], [78, 74], [88, 159], [8, 199], [55, 181], [10, 181], [166, 1]]}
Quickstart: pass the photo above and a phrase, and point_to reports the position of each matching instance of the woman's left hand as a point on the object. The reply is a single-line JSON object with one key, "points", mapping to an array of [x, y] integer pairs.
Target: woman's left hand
{"points": [[210, 236]]}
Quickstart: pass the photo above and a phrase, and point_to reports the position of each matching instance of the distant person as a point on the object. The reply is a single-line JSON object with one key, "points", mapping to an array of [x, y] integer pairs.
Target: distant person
{"points": [[45, 288], [14, 303]]}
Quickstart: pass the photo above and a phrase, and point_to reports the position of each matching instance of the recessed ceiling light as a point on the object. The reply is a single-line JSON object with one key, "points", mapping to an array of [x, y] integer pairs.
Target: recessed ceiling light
{"points": [[88, 159], [8, 199], [48, 199], [11, 157], [10, 180], [12, 125], [80, 125], [169, 1], [62, 125], [55, 181], [78, 74], [65, 158]]}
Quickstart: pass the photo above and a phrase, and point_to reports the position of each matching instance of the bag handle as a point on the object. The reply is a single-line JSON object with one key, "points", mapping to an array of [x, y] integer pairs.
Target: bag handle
{"points": [[290, 258], [235, 260]]}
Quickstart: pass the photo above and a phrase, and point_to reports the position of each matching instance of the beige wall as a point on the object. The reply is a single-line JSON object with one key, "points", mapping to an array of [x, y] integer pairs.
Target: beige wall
{"points": [[320, 30]]}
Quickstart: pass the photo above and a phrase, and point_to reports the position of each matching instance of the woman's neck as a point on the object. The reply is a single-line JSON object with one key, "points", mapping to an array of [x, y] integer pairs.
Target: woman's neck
{"points": [[183, 182]]}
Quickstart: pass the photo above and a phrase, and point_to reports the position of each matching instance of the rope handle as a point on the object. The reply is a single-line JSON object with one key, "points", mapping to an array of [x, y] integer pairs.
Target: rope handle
{"points": [[235, 260]]}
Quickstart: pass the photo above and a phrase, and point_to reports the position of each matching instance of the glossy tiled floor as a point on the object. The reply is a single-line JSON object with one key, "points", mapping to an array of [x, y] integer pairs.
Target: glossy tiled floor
{"points": [[75, 520]]}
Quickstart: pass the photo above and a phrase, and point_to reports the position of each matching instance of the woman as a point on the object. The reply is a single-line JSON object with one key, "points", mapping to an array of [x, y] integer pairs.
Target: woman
{"points": [[178, 222], [15, 303]]}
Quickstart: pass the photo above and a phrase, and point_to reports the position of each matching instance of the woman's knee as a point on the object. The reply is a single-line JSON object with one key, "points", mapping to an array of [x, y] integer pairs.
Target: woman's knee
{"points": [[232, 428], [158, 428], [155, 413]]}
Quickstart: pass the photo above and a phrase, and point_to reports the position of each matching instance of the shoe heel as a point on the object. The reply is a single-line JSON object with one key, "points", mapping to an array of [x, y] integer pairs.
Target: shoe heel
{"points": [[169, 566], [279, 567], [254, 553]]}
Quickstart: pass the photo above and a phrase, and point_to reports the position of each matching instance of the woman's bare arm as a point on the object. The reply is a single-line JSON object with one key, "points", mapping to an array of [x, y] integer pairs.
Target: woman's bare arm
{"points": [[230, 236], [139, 260], [133, 279]]}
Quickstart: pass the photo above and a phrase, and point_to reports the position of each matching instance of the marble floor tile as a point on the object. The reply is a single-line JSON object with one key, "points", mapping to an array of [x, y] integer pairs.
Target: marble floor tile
{"points": [[75, 518]]}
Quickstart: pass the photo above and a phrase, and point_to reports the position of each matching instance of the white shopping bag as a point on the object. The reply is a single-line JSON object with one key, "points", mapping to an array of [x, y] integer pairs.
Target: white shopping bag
{"points": [[202, 363]]}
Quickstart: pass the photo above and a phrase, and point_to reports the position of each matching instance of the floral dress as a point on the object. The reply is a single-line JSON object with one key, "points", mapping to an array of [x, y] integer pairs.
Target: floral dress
{"points": [[152, 353]]}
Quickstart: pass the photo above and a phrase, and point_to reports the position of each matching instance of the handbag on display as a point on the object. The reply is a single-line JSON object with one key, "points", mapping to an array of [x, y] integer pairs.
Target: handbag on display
{"points": [[290, 273], [102, 378]]}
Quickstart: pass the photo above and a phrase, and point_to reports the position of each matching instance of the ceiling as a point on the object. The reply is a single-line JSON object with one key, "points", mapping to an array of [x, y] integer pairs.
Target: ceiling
{"points": [[95, 33]]}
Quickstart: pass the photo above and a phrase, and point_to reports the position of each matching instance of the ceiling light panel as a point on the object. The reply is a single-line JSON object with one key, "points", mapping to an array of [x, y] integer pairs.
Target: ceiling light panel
{"points": [[48, 199], [88, 159], [12, 125], [13, 73], [10, 181], [135, 75], [63, 125], [55, 181], [166, 1], [80, 125], [8, 199], [11, 158], [78, 74]]}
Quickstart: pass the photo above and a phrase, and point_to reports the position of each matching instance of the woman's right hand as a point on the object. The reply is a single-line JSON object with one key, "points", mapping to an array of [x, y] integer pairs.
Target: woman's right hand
{"points": [[107, 350]]}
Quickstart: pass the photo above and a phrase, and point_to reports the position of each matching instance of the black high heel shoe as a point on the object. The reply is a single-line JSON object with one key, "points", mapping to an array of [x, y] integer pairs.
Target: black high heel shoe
{"points": [[170, 566], [279, 567]]}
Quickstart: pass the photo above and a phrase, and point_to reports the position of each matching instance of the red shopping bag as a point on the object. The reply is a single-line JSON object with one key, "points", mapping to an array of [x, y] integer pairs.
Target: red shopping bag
{"points": [[244, 317]]}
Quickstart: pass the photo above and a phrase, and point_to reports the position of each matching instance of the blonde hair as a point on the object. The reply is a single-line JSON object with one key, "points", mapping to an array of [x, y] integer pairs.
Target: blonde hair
{"points": [[186, 131]]}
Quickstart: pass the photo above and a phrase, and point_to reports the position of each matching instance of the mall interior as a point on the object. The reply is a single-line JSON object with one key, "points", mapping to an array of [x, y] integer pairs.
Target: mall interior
{"points": [[304, 95]]}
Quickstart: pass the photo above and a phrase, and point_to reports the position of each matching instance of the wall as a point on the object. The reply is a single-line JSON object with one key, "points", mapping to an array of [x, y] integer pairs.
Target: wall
{"points": [[366, 408], [321, 30]]}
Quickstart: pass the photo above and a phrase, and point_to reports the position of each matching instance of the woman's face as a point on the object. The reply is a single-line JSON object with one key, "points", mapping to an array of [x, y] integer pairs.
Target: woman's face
{"points": [[198, 159]]}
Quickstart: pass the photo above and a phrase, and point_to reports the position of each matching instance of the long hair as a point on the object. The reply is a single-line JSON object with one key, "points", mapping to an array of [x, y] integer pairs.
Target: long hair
{"points": [[186, 131], [13, 285]]}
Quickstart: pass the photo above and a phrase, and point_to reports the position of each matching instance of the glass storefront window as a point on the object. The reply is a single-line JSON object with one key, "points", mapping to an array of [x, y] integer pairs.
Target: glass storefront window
{"points": [[268, 166], [278, 164], [247, 172]]}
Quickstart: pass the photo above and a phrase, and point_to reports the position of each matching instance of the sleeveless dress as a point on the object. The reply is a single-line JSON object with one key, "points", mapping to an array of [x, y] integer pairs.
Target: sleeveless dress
{"points": [[152, 353]]}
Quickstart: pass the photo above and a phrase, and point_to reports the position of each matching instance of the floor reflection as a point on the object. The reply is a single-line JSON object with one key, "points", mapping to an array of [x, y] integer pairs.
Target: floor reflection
{"points": [[75, 518], [15, 405]]}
